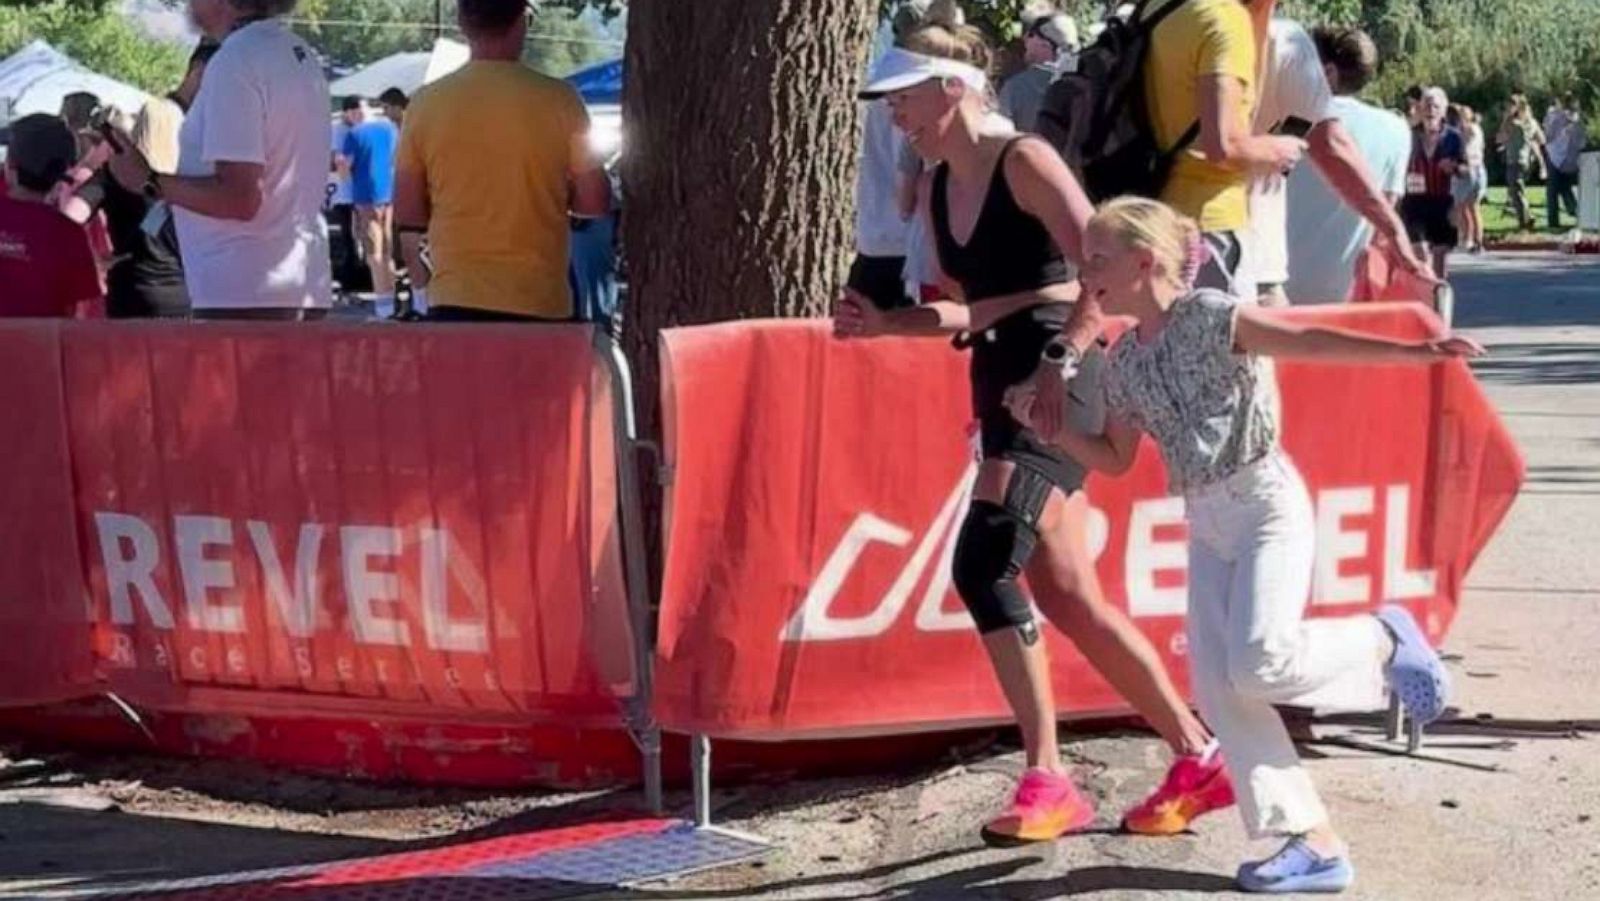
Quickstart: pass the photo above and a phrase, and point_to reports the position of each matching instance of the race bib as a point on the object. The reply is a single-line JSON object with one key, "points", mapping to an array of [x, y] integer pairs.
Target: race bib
{"points": [[1416, 183]]}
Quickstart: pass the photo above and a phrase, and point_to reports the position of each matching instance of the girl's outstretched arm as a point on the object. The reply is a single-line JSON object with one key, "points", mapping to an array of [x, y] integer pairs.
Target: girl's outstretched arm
{"points": [[1259, 332]]}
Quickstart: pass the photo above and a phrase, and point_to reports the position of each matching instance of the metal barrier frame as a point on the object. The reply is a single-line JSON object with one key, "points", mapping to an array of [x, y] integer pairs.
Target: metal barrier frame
{"points": [[638, 718]]}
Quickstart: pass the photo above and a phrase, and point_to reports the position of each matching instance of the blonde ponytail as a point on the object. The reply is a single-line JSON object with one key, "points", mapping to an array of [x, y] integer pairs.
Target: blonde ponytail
{"points": [[1173, 239], [962, 43]]}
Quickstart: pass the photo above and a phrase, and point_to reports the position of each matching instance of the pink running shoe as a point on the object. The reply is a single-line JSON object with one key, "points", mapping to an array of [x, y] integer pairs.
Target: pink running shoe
{"points": [[1046, 806], [1195, 786]]}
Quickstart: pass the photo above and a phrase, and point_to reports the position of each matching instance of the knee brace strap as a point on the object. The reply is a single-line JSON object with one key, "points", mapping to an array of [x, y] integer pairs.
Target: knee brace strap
{"points": [[995, 543]]}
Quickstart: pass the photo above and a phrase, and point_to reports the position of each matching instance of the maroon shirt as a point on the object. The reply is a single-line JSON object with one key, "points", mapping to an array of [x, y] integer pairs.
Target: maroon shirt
{"points": [[1427, 172], [46, 266]]}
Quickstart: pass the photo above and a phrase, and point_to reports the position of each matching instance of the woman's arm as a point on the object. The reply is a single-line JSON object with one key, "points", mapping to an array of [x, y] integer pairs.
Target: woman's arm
{"points": [[1111, 452], [856, 316], [1259, 332], [985, 313], [1045, 189]]}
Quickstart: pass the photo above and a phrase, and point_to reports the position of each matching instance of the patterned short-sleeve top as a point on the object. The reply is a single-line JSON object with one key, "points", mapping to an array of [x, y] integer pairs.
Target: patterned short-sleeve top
{"points": [[1212, 411]]}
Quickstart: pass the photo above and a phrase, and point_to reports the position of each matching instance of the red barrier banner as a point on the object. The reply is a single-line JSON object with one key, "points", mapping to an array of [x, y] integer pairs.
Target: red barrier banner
{"points": [[328, 519], [1379, 277], [48, 654], [818, 486]]}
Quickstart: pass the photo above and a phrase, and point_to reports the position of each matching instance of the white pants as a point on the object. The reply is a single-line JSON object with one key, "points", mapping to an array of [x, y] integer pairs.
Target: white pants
{"points": [[1251, 540]]}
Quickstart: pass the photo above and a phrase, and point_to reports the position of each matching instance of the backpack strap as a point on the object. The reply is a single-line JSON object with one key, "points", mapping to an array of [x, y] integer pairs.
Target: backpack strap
{"points": [[1189, 137], [1160, 16]]}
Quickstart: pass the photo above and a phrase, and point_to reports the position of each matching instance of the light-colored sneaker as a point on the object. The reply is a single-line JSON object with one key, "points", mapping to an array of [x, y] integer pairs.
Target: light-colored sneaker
{"points": [[1295, 869]]}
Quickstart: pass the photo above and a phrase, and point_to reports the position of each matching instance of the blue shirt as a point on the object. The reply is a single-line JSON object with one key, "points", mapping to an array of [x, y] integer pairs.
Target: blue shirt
{"points": [[370, 147], [1326, 237]]}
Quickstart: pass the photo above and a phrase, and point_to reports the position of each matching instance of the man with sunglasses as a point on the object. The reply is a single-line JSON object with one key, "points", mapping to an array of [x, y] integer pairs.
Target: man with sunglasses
{"points": [[1050, 47], [493, 159]]}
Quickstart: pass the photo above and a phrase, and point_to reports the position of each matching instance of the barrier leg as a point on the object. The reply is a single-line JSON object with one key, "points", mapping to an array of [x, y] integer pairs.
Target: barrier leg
{"points": [[1394, 719], [646, 734], [1444, 303], [700, 762], [650, 749]]}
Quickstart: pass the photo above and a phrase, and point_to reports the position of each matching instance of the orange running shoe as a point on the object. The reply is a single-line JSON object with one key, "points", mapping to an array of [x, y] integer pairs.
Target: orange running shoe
{"points": [[1046, 806], [1195, 786]]}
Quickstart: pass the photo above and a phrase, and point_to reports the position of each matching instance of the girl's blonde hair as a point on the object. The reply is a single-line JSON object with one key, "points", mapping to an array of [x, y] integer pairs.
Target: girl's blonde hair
{"points": [[1172, 238], [155, 133], [1520, 107]]}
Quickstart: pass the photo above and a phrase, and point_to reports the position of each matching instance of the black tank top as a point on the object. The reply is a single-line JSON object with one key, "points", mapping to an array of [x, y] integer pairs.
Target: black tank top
{"points": [[1009, 250]]}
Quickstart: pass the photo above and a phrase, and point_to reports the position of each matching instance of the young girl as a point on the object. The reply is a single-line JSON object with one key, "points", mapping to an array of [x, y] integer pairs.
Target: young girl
{"points": [[1471, 181], [1006, 216], [1192, 376]]}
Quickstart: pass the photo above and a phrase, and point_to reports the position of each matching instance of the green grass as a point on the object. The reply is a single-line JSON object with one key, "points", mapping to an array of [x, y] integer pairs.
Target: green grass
{"points": [[1498, 223]]}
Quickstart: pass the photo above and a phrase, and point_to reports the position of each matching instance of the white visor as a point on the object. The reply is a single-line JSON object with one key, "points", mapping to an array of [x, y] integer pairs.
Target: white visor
{"points": [[900, 69]]}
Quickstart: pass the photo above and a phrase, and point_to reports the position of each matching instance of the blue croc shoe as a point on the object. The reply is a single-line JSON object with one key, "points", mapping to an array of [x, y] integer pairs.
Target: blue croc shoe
{"points": [[1415, 672], [1297, 868]]}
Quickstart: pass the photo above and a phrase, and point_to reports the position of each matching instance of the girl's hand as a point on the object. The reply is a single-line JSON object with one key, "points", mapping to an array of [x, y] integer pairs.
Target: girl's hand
{"points": [[1455, 347], [854, 316], [1040, 403], [1019, 400]]}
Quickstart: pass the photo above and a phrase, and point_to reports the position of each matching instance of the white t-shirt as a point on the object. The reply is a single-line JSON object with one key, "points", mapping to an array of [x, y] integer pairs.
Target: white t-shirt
{"points": [[1293, 85], [880, 232], [1326, 237], [922, 258], [263, 100]]}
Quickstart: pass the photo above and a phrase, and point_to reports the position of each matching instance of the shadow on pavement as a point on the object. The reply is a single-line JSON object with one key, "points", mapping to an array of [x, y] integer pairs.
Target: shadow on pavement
{"points": [[1540, 364], [103, 850], [980, 881]]}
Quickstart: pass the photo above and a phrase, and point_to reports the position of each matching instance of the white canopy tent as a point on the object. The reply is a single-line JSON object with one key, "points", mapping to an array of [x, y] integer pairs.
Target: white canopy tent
{"points": [[407, 71], [37, 77]]}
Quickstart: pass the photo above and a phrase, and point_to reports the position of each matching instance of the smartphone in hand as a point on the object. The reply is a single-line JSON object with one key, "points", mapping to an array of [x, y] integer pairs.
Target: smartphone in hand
{"points": [[1293, 127]]}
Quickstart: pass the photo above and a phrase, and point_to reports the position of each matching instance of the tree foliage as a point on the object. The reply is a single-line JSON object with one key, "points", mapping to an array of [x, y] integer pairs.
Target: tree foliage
{"points": [[355, 32], [107, 43]]}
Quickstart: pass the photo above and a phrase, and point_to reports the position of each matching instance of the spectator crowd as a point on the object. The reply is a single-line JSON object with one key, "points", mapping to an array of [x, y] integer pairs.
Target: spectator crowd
{"points": [[216, 201]]}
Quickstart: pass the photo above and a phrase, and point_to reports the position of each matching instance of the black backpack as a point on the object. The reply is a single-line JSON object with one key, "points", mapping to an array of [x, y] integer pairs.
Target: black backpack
{"points": [[1097, 118]]}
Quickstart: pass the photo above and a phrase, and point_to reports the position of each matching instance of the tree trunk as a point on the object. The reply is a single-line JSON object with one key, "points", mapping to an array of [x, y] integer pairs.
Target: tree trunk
{"points": [[742, 134]]}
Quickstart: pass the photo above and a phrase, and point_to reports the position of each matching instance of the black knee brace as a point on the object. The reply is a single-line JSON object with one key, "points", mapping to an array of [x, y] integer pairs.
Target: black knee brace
{"points": [[995, 543]]}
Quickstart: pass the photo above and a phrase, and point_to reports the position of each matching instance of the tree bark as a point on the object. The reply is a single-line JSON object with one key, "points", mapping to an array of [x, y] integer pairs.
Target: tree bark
{"points": [[742, 132]]}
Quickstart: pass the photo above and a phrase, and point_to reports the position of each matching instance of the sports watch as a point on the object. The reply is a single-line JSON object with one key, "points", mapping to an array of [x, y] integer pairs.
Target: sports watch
{"points": [[1062, 354]]}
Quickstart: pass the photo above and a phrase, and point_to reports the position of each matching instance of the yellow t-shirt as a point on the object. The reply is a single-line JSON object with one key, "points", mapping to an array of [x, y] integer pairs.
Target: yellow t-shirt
{"points": [[1200, 38], [495, 141]]}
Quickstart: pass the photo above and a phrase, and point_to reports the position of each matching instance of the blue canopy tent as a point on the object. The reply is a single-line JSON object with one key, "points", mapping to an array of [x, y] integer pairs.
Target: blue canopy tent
{"points": [[599, 84]]}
